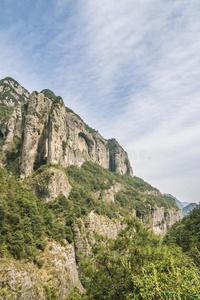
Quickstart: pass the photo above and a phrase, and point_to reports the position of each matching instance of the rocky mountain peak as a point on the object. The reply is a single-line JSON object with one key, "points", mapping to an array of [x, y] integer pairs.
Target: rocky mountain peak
{"points": [[11, 92], [52, 133], [55, 134]]}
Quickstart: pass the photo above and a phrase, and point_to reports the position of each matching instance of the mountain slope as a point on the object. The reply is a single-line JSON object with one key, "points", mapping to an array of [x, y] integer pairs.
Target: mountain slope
{"points": [[187, 209], [63, 187], [185, 234]]}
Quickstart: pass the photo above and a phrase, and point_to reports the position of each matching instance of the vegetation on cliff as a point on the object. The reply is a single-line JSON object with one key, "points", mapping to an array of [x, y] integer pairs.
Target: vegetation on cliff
{"points": [[186, 234], [44, 236], [26, 223], [92, 177], [9, 92], [137, 266]]}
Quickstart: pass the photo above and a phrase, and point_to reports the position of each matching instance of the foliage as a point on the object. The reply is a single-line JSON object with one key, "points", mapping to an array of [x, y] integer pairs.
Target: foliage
{"points": [[138, 183], [9, 79], [112, 144], [25, 221], [5, 111], [58, 100], [186, 234], [12, 156], [2, 142], [62, 208], [64, 145], [85, 181], [49, 94], [137, 266], [92, 178], [88, 128], [8, 91], [39, 162], [76, 295]]}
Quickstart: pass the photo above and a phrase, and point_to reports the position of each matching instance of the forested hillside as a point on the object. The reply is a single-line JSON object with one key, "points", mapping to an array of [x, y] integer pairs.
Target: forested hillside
{"points": [[74, 221]]}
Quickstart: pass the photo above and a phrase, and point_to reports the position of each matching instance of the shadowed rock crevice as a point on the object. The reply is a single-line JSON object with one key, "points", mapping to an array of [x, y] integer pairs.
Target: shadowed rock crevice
{"points": [[1, 135], [85, 142], [112, 163]]}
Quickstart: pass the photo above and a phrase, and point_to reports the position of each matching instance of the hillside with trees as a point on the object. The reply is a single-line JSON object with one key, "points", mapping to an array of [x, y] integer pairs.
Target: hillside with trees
{"points": [[74, 221]]}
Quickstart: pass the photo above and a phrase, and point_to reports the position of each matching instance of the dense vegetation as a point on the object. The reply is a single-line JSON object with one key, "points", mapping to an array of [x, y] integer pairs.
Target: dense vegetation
{"points": [[26, 223], [138, 267], [49, 94], [186, 234], [5, 112], [92, 177], [86, 181], [135, 265]]}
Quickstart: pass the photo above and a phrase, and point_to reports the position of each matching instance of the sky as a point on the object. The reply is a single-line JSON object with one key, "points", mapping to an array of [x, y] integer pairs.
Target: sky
{"points": [[129, 68]]}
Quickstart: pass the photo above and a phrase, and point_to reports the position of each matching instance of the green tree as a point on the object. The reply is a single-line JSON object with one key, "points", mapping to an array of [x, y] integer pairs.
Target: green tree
{"points": [[137, 266]]}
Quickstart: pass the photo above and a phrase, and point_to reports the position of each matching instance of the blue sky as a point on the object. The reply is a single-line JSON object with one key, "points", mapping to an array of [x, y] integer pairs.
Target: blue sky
{"points": [[130, 69]]}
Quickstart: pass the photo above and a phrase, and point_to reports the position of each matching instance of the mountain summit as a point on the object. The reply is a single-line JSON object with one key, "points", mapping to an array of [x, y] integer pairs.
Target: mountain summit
{"points": [[53, 133]]}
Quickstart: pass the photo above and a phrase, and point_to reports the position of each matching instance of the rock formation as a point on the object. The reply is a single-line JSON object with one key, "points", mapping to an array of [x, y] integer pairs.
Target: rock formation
{"points": [[57, 275], [49, 184], [52, 133]]}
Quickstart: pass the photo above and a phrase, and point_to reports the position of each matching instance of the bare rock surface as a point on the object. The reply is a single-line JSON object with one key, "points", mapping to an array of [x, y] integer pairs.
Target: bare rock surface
{"points": [[52, 133], [24, 280], [49, 184]]}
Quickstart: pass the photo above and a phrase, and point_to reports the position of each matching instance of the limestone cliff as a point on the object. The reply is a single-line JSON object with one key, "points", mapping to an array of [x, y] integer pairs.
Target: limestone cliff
{"points": [[49, 184], [163, 219], [53, 133], [55, 142], [12, 98], [56, 275], [85, 234]]}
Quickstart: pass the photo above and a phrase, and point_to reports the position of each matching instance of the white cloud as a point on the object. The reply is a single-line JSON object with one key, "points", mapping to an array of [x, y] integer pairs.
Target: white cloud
{"points": [[129, 68]]}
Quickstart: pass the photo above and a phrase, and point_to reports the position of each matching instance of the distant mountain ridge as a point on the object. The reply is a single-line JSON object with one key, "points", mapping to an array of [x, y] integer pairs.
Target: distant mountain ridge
{"points": [[186, 207]]}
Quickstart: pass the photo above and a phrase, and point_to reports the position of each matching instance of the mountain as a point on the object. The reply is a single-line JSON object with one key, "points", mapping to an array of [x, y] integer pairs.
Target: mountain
{"points": [[185, 203], [63, 188], [186, 207], [179, 203]]}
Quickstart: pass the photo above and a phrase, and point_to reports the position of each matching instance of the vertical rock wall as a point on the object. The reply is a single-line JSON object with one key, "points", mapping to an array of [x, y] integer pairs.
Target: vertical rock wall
{"points": [[52, 134], [35, 132]]}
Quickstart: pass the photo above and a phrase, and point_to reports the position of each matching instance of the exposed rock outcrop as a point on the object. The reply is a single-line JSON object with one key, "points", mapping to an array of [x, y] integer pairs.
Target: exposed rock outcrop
{"points": [[13, 97], [58, 271], [49, 184], [35, 132], [52, 133], [102, 225], [163, 219], [95, 224]]}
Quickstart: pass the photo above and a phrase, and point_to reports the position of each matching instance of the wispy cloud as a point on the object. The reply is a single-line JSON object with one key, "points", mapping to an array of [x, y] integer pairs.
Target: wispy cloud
{"points": [[129, 68]]}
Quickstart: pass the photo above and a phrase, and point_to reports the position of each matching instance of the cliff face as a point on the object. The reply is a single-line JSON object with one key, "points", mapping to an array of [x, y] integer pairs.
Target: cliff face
{"points": [[12, 98], [163, 219], [49, 184], [56, 276], [53, 134]]}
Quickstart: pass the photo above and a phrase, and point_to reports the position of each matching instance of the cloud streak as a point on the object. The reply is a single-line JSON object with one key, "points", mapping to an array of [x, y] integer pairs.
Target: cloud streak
{"points": [[129, 68]]}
